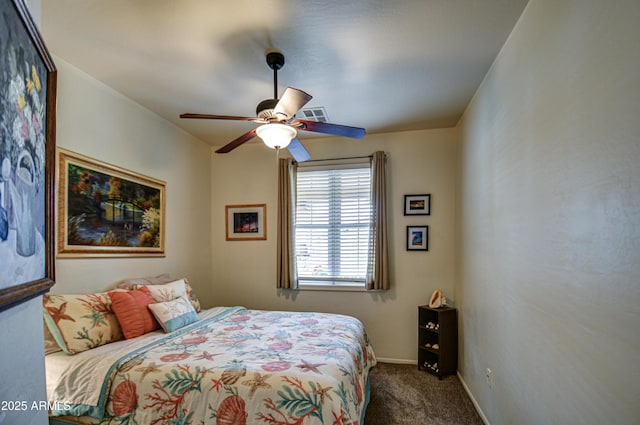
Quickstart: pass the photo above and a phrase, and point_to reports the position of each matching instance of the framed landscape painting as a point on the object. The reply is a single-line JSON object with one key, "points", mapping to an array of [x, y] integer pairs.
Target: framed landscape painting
{"points": [[27, 150], [107, 211]]}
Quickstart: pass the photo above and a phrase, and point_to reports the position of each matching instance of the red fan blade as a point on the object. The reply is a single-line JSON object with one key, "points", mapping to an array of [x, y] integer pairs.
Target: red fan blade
{"points": [[333, 129], [218, 117], [237, 142], [291, 102]]}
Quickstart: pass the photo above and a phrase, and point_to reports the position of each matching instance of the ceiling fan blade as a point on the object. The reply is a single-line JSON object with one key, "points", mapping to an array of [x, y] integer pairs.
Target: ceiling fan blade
{"points": [[291, 102], [237, 142], [298, 151], [333, 129], [218, 117]]}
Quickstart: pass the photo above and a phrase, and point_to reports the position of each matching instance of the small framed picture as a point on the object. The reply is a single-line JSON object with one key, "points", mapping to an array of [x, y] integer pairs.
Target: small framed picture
{"points": [[417, 204], [417, 238], [246, 222]]}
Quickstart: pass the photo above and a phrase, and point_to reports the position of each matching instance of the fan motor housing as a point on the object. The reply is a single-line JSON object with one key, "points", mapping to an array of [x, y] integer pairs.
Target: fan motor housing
{"points": [[265, 108]]}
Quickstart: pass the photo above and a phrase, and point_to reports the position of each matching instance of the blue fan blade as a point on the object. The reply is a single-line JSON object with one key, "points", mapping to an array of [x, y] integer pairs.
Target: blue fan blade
{"points": [[298, 151]]}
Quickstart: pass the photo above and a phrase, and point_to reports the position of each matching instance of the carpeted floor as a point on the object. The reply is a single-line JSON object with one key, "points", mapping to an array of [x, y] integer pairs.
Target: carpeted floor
{"points": [[403, 395]]}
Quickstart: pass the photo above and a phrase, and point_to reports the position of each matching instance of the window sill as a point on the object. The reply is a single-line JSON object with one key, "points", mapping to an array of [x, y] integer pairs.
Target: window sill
{"points": [[342, 287]]}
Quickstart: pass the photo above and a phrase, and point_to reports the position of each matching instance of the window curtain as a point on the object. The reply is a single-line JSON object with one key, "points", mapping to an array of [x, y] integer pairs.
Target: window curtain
{"points": [[378, 268], [286, 268]]}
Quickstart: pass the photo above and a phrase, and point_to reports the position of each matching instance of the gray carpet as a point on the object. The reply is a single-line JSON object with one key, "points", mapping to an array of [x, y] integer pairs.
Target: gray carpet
{"points": [[403, 395]]}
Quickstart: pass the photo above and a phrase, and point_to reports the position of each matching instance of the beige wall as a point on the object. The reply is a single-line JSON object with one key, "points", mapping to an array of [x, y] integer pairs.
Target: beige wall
{"points": [[549, 220], [418, 162], [96, 121]]}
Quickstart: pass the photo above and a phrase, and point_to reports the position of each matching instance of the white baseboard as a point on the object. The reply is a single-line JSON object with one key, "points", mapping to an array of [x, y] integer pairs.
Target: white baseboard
{"points": [[396, 361], [473, 400]]}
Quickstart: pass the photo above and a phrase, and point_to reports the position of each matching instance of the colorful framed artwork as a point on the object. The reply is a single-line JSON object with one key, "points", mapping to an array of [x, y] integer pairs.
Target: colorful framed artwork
{"points": [[28, 82], [417, 204], [107, 211], [417, 238], [246, 222]]}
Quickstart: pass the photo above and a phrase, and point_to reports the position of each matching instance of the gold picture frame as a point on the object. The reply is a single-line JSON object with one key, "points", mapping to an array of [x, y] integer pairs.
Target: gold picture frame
{"points": [[108, 211], [246, 222]]}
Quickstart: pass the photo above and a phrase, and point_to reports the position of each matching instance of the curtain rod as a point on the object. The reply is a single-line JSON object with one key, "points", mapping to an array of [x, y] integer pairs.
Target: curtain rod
{"points": [[336, 159]]}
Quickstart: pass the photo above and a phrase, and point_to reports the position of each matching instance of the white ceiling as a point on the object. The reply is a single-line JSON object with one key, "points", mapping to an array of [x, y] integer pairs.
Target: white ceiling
{"points": [[386, 65]]}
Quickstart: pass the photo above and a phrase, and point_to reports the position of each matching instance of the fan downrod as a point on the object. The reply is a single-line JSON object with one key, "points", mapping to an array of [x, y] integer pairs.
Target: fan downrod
{"points": [[264, 110]]}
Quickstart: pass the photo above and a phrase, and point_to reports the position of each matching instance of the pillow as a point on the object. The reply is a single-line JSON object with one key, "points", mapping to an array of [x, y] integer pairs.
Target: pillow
{"points": [[50, 344], [195, 302], [174, 314], [168, 291], [132, 312], [82, 321], [162, 279]]}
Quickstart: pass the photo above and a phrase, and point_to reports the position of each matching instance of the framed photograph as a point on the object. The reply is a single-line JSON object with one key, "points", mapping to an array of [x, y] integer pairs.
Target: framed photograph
{"points": [[417, 204], [417, 238], [27, 150], [107, 211], [246, 222]]}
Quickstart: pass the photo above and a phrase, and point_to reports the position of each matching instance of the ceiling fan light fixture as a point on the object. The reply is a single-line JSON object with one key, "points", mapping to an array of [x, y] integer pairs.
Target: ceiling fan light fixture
{"points": [[276, 136]]}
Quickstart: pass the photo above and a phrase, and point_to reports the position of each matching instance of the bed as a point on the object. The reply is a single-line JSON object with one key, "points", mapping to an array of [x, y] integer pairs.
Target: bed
{"points": [[231, 366]]}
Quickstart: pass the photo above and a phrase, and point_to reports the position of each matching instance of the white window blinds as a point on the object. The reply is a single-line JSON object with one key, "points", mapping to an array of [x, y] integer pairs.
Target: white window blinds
{"points": [[332, 224]]}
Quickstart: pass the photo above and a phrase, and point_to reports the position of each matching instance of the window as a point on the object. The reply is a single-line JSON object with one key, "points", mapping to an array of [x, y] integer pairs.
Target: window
{"points": [[333, 225]]}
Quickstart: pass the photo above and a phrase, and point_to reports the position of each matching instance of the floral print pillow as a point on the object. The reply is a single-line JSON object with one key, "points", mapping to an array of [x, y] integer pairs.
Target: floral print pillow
{"points": [[81, 322]]}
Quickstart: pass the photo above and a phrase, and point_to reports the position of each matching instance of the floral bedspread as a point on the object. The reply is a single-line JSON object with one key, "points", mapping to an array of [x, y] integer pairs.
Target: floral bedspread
{"points": [[234, 366]]}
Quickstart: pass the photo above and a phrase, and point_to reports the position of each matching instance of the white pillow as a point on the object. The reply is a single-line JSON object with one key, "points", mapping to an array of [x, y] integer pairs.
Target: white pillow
{"points": [[168, 291], [174, 314]]}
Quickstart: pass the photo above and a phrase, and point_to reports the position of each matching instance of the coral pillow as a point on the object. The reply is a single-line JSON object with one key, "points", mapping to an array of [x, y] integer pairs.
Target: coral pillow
{"points": [[132, 312]]}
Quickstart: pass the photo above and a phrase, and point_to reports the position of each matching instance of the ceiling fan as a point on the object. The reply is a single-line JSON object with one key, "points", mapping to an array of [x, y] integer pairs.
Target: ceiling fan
{"points": [[279, 127]]}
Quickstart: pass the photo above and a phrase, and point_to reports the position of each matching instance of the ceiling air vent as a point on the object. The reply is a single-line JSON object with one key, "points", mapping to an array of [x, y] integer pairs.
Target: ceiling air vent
{"points": [[313, 114]]}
